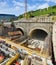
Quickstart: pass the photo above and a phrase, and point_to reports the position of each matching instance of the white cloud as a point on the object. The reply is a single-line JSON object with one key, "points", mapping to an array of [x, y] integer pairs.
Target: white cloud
{"points": [[18, 7], [3, 4], [42, 6], [54, 1], [22, 6], [18, 3], [6, 9], [33, 7]]}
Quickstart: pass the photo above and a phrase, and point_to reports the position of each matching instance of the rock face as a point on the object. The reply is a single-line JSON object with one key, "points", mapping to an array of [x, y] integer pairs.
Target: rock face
{"points": [[54, 39]]}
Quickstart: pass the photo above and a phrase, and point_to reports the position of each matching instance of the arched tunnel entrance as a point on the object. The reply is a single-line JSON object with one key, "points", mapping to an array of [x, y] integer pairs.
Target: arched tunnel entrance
{"points": [[23, 36], [19, 29], [39, 39], [38, 34]]}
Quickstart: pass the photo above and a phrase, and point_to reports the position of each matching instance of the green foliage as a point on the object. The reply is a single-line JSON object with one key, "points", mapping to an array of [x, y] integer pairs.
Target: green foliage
{"points": [[50, 10], [21, 16], [53, 6]]}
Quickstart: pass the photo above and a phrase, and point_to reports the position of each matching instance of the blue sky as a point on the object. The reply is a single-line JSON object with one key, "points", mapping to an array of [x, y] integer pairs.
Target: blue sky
{"points": [[16, 7]]}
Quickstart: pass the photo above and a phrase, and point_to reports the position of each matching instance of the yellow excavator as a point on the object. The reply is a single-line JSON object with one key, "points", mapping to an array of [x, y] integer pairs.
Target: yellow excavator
{"points": [[13, 59]]}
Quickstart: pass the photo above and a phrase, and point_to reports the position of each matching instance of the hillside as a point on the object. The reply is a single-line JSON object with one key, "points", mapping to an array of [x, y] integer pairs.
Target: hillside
{"points": [[7, 17], [51, 11]]}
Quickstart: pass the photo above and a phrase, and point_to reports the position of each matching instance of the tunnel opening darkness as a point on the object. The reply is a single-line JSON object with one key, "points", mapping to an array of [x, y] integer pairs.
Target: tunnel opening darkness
{"points": [[19, 29], [39, 34]]}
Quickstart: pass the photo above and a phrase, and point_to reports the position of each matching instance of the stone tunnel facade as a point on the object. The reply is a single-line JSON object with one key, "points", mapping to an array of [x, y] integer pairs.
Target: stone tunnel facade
{"points": [[29, 27], [42, 31]]}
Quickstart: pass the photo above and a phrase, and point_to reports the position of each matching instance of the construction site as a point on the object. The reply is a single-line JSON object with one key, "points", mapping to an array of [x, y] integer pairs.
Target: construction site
{"points": [[28, 41]]}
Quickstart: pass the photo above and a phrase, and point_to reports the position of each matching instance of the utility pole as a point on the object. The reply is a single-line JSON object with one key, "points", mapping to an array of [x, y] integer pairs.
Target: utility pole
{"points": [[25, 8]]}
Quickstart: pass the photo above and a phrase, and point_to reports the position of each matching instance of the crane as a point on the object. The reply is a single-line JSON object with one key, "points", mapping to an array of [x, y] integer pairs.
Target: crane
{"points": [[25, 8]]}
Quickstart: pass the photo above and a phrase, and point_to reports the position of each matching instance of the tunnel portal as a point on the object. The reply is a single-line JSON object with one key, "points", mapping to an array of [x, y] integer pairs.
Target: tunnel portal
{"points": [[38, 34], [19, 29]]}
